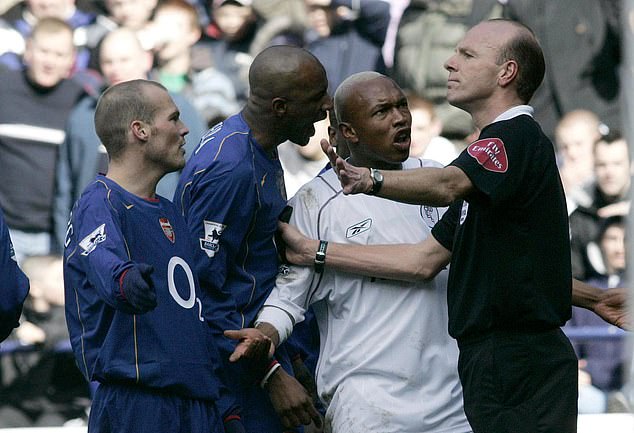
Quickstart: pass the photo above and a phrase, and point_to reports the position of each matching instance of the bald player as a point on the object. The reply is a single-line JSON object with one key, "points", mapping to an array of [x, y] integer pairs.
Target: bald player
{"points": [[374, 332], [231, 193]]}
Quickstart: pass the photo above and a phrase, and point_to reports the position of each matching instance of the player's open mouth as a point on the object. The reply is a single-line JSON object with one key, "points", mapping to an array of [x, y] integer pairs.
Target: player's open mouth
{"points": [[402, 139]]}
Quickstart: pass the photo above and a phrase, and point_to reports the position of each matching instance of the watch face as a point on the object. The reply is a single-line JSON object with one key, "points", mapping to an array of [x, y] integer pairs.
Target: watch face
{"points": [[378, 176]]}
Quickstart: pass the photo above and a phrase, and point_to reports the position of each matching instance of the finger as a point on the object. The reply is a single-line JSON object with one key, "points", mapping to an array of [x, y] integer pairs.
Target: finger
{"points": [[329, 151], [305, 417], [291, 419], [314, 415], [234, 334]]}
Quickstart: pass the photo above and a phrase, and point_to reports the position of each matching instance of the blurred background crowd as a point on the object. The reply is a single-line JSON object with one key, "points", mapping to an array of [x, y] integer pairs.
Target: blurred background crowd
{"points": [[57, 56]]}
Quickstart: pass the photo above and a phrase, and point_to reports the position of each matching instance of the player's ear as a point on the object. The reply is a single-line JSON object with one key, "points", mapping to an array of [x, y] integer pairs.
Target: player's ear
{"points": [[280, 106], [348, 132], [140, 129]]}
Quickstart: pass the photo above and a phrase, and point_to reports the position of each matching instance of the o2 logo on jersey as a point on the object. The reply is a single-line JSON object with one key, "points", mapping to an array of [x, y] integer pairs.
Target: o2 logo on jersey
{"points": [[192, 300], [90, 242]]}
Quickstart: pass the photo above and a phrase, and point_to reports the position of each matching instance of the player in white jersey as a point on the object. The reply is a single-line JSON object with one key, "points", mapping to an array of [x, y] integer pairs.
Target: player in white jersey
{"points": [[386, 360]]}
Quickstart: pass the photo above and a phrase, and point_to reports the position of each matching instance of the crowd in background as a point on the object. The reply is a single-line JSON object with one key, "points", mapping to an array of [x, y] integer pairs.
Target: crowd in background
{"points": [[57, 56]]}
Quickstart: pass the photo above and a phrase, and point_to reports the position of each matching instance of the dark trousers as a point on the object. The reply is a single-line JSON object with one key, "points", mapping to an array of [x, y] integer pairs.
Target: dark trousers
{"points": [[520, 382]]}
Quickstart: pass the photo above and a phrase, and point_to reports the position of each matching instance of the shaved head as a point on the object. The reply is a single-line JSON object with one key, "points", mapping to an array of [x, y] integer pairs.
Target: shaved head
{"points": [[348, 90], [282, 71]]}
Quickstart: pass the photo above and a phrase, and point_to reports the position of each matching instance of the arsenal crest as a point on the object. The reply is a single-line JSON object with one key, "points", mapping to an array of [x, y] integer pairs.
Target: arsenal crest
{"points": [[168, 231]]}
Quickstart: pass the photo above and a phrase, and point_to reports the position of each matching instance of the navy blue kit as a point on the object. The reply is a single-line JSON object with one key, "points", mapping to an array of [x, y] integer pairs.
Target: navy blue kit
{"points": [[14, 286], [158, 371], [231, 193]]}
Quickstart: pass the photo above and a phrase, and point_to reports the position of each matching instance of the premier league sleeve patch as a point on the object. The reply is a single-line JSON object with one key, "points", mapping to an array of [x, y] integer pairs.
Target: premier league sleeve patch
{"points": [[90, 242], [490, 154], [211, 242]]}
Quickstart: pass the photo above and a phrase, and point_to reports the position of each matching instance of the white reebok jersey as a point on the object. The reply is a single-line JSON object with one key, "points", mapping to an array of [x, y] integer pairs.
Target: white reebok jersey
{"points": [[386, 361]]}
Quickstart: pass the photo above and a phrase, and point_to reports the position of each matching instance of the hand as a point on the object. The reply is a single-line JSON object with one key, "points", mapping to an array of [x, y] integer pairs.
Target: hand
{"points": [[299, 249], [354, 180], [612, 307], [252, 345], [621, 208], [291, 401], [138, 288]]}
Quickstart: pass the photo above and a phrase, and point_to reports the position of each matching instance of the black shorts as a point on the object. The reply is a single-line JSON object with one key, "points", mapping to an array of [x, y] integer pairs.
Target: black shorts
{"points": [[520, 382]]}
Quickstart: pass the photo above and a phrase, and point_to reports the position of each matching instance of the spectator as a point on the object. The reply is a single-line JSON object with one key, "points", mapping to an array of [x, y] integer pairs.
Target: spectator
{"points": [[583, 57], [605, 361], [575, 136], [175, 29], [130, 14], [347, 36], [25, 14], [31, 131], [426, 127], [81, 156], [237, 34], [609, 195]]}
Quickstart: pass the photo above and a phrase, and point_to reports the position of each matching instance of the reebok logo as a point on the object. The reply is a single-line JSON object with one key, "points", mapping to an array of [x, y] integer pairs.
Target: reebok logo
{"points": [[358, 228]]}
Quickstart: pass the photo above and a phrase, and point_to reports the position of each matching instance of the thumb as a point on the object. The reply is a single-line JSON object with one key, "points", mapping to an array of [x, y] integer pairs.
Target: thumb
{"points": [[234, 334]]}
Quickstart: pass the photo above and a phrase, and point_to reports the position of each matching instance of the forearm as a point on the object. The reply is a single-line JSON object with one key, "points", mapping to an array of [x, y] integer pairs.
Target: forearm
{"points": [[405, 262], [427, 186], [585, 295]]}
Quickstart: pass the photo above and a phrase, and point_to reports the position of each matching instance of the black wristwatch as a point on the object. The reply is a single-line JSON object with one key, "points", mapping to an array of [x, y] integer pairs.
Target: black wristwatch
{"points": [[320, 256], [377, 181]]}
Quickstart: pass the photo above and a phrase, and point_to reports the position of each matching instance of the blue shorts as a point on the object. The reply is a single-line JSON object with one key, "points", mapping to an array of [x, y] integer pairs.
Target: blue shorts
{"points": [[119, 408]]}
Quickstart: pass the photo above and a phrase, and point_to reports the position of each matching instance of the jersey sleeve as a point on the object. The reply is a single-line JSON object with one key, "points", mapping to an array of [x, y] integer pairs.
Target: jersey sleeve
{"points": [[14, 286], [444, 231], [297, 287], [496, 162], [98, 250]]}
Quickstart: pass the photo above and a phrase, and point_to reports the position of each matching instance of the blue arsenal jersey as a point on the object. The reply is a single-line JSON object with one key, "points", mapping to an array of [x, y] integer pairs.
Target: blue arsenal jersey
{"points": [[168, 348]]}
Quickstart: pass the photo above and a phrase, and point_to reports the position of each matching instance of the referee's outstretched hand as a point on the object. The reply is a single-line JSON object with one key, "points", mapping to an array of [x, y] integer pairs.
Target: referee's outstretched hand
{"points": [[354, 180], [138, 288]]}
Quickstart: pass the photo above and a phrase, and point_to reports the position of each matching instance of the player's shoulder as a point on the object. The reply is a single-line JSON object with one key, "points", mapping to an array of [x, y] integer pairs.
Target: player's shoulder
{"points": [[101, 193], [320, 188], [223, 147]]}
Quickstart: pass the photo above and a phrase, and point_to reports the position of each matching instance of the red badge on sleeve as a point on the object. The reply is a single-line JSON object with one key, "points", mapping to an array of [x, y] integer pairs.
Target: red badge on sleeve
{"points": [[490, 154]]}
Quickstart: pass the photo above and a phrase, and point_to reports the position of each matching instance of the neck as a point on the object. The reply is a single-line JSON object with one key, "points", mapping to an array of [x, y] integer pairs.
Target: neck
{"points": [[485, 112], [263, 128], [177, 65], [360, 161], [134, 178]]}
